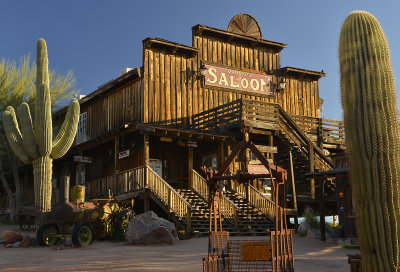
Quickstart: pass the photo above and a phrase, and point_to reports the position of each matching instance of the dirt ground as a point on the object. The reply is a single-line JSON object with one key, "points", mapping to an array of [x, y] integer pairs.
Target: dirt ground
{"points": [[186, 255]]}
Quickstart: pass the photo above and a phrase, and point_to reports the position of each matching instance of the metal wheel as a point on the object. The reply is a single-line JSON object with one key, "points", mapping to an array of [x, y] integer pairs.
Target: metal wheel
{"points": [[82, 234], [122, 223], [45, 235]]}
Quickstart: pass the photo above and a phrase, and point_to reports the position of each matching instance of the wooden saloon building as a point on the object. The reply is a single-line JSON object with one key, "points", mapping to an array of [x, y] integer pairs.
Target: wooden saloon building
{"points": [[145, 134]]}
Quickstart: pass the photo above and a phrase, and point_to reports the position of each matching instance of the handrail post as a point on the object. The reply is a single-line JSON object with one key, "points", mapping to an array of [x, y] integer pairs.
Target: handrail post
{"points": [[189, 222], [236, 219]]}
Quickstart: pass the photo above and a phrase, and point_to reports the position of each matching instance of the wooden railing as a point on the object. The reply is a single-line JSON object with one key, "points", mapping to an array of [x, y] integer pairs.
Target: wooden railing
{"points": [[141, 178], [199, 184], [255, 198], [320, 127], [229, 209], [167, 194], [218, 117]]}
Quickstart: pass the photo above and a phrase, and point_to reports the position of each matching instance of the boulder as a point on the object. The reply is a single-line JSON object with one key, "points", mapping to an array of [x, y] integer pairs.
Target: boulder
{"points": [[26, 241], [10, 237], [147, 228], [17, 244], [303, 229]]}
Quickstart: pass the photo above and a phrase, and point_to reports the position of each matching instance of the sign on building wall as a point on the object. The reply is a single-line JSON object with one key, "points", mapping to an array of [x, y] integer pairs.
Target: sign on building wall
{"points": [[156, 165], [238, 80]]}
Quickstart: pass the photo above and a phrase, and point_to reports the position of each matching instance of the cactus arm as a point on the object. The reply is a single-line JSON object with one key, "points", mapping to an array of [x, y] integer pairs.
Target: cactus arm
{"points": [[28, 137], [13, 134], [67, 133], [44, 127]]}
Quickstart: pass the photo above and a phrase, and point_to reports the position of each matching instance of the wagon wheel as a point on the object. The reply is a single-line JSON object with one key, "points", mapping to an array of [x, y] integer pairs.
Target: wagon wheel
{"points": [[45, 235], [82, 234], [122, 223], [24, 223]]}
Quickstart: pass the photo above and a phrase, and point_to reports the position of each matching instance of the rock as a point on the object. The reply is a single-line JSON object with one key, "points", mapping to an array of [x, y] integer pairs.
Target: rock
{"points": [[313, 233], [147, 228], [17, 244], [10, 237], [26, 241], [7, 234], [346, 242], [9, 246], [303, 229]]}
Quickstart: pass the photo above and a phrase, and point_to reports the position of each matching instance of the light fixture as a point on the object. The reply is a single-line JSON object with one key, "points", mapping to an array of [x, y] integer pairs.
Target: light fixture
{"points": [[200, 74], [281, 86]]}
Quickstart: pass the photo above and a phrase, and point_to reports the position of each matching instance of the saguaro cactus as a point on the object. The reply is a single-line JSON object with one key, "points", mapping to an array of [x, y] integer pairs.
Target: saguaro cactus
{"points": [[35, 144], [372, 137]]}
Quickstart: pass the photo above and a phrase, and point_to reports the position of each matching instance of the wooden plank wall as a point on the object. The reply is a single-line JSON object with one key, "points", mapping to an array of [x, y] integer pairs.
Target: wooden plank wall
{"points": [[169, 94], [117, 108]]}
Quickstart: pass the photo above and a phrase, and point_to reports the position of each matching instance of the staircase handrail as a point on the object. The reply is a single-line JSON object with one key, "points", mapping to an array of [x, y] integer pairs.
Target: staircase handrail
{"points": [[255, 198], [264, 204], [167, 194], [199, 184], [229, 209]]}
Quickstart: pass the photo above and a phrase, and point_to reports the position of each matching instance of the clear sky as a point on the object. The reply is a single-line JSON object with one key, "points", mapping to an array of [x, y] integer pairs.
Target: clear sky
{"points": [[96, 39]]}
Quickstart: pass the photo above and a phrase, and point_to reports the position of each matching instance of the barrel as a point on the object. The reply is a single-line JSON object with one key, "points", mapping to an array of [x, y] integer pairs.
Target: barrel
{"points": [[78, 194]]}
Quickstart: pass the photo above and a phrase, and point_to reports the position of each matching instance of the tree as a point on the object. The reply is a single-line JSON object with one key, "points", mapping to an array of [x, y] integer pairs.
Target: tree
{"points": [[17, 85]]}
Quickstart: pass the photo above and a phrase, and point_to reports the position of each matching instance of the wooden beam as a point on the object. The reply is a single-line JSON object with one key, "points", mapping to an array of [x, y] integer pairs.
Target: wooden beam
{"points": [[146, 149], [190, 165], [312, 168], [116, 160]]}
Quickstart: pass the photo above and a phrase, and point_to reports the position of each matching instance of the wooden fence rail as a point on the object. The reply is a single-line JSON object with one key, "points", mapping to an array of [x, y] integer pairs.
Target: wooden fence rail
{"points": [[141, 178]]}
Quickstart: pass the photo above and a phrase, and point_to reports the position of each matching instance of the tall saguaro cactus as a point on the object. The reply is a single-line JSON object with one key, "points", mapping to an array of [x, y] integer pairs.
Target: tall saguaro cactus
{"points": [[34, 143], [373, 139]]}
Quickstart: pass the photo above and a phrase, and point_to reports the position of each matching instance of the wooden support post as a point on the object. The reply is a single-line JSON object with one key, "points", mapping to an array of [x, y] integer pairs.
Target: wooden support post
{"points": [[146, 149], [271, 144], [221, 154], [64, 189], [189, 223], [116, 164], [190, 166], [312, 169], [321, 209], [296, 219]]}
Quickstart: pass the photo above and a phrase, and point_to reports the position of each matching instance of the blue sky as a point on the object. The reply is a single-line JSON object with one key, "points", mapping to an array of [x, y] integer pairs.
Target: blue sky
{"points": [[97, 38]]}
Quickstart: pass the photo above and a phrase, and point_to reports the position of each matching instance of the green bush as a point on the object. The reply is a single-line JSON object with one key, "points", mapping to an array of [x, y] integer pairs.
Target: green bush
{"points": [[311, 217]]}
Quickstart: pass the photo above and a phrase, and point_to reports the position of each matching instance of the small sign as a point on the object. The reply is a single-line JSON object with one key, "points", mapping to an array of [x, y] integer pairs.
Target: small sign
{"points": [[156, 165], [166, 139], [191, 143], [255, 251], [123, 154], [82, 159], [214, 162], [257, 169]]}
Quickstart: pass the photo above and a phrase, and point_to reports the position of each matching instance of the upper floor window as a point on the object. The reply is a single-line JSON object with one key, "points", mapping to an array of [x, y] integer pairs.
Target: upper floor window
{"points": [[82, 128]]}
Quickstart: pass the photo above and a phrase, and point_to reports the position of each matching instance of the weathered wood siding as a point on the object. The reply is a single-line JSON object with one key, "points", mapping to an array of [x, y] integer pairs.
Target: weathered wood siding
{"points": [[169, 93], [114, 109]]}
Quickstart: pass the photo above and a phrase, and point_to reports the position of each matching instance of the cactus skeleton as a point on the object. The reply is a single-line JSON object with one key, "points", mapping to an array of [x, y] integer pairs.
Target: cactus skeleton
{"points": [[373, 139], [34, 143]]}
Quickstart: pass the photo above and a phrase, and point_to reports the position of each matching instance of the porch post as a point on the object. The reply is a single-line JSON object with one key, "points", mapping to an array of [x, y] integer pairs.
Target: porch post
{"points": [[190, 166]]}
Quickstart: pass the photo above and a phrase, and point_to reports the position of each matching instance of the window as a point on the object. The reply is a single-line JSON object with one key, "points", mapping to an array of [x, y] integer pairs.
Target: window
{"points": [[82, 128]]}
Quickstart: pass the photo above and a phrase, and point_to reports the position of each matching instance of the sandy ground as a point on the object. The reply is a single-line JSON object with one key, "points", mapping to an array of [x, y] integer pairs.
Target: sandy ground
{"points": [[310, 255]]}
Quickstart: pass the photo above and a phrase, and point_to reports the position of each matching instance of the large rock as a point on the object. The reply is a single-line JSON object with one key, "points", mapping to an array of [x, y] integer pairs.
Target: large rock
{"points": [[303, 228], [10, 237], [147, 228]]}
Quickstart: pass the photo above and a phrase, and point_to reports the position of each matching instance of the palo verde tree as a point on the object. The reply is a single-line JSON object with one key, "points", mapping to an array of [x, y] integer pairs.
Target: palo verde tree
{"points": [[33, 142], [373, 139]]}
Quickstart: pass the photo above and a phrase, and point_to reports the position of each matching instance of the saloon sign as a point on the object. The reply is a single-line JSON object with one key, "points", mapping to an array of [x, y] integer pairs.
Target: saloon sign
{"points": [[238, 80]]}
